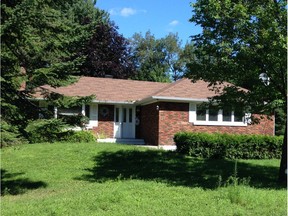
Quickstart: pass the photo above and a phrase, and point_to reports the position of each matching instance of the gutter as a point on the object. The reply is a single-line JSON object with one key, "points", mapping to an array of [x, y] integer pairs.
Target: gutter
{"points": [[95, 101], [114, 102], [146, 101]]}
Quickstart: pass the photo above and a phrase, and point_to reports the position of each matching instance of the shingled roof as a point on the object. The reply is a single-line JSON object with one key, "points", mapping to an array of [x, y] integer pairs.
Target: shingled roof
{"points": [[119, 90]]}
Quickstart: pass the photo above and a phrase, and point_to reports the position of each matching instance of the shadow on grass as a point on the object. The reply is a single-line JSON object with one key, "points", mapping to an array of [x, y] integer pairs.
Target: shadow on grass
{"points": [[175, 169], [11, 184]]}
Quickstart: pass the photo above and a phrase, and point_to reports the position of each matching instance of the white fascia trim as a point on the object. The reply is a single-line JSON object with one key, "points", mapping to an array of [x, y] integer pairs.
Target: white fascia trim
{"points": [[99, 101], [211, 123], [113, 102], [180, 99], [145, 101]]}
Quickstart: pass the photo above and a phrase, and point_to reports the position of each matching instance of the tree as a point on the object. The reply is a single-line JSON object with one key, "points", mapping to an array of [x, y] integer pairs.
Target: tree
{"points": [[157, 60], [244, 42], [188, 56], [40, 41], [107, 53]]}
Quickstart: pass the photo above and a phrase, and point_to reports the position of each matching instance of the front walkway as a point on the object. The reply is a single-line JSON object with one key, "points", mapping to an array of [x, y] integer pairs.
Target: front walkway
{"points": [[138, 143]]}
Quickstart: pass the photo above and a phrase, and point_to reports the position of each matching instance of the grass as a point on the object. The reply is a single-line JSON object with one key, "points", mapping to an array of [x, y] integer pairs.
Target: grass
{"points": [[112, 179]]}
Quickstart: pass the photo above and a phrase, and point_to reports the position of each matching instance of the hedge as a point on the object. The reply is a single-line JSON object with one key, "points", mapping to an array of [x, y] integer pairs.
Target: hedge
{"points": [[230, 146]]}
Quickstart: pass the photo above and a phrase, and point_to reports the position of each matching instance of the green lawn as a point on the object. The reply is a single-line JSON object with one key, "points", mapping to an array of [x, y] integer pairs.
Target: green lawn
{"points": [[112, 179]]}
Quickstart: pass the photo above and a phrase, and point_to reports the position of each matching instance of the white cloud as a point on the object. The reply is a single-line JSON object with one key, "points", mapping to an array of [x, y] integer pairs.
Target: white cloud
{"points": [[125, 12], [113, 12], [174, 23]]}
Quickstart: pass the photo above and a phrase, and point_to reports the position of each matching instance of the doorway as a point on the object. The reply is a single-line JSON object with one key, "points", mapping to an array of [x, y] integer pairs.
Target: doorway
{"points": [[124, 122]]}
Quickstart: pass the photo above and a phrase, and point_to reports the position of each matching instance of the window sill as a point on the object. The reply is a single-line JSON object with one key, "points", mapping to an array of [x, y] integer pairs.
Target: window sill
{"points": [[211, 123]]}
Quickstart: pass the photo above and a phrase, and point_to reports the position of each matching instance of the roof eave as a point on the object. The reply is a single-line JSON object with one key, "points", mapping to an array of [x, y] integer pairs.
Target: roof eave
{"points": [[153, 99], [96, 101], [113, 102]]}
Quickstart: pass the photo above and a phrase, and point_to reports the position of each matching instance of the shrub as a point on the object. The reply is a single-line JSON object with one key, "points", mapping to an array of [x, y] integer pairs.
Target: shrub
{"points": [[10, 135], [230, 146], [79, 136], [46, 130]]}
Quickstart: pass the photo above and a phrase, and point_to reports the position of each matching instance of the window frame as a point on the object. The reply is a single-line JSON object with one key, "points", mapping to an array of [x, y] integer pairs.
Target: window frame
{"points": [[219, 122]]}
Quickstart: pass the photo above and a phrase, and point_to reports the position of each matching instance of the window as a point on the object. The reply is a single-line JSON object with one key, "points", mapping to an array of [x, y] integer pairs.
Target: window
{"points": [[72, 111], [238, 116], [117, 115], [227, 114], [87, 111], [130, 115], [199, 115], [124, 115], [213, 114]]}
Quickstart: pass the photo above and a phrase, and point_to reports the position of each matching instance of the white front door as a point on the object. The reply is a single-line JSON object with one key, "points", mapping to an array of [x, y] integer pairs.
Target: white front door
{"points": [[124, 122], [128, 126]]}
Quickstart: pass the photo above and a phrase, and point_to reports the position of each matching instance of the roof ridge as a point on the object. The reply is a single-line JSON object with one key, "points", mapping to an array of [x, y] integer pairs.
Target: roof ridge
{"points": [[115, 79], [168, 86]]}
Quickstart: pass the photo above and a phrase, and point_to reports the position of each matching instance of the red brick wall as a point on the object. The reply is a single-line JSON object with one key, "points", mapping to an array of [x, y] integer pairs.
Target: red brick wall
{"points": [[174, 117], [149, 124], [105, 123]]}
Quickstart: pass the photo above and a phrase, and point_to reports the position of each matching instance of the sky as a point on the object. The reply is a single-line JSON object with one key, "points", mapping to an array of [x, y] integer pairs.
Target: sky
{"points": [[159, 16]]}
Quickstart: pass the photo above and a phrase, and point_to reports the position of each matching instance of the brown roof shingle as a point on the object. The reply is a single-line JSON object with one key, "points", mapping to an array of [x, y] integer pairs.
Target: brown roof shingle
{"points": [[107, 89], [118, 90], [185, 88]]}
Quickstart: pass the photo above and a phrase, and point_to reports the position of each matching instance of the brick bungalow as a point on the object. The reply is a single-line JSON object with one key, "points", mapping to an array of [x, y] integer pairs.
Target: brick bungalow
{"points": [[154, 112]]}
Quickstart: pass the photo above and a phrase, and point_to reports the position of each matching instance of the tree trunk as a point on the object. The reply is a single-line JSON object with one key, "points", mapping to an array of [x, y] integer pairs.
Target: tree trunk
{"points": [[283, 164]]}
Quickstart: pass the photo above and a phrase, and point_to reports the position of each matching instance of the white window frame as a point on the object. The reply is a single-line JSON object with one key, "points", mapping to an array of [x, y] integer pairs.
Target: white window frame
{"points": [[220, 122], [91, 123]]}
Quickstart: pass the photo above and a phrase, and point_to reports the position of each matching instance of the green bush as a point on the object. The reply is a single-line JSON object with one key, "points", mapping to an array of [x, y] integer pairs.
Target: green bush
{"points": [[230, 146], [10, 135], [46, 130], [79, 136]]}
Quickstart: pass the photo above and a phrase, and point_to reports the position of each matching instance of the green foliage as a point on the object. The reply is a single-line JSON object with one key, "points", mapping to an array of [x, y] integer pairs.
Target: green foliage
{"points": [[40, 44], [241, 42], [234, 187], [54, 130], [79, 137], [46, 130], [280, 121], [107, 53], [157, 60], [58, 100], [10, 135], [231, 146]]}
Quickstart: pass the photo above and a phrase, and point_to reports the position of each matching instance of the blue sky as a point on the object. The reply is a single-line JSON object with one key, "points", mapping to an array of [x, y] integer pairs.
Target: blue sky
{"points": [[158, 16]]}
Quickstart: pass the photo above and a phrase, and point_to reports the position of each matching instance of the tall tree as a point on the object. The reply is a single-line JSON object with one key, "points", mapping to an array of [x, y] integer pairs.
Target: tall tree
{"points": [[244, 42], [107, 53], [157, 59], [188, 56], [40, 40]]}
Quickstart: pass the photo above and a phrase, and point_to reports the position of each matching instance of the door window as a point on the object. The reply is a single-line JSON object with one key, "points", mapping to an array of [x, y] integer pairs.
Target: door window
{"points": [[117, 115], [124, 114], [130, 115]]}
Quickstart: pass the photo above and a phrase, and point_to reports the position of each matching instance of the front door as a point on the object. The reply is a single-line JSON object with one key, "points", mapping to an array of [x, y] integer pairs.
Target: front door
{"points": [[124, 122]]}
